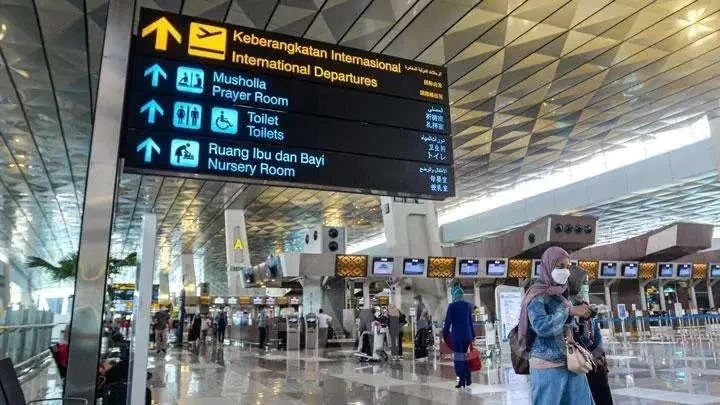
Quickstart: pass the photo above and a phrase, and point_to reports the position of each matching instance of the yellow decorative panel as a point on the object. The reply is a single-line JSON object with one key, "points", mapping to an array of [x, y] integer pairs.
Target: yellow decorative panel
{"points": [[382, 300], [647, 271], [281, 301], [441, 267], [520, 268], [591, 267], [351, 266], [700, 271]]}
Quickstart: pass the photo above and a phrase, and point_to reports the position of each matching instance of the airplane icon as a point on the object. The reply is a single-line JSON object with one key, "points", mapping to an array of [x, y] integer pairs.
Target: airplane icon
{"points": [[207, 41], [205, 33]]}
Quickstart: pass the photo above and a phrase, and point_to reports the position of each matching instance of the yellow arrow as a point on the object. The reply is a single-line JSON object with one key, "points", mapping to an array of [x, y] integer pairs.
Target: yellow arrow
{"points": [[162, 27]]}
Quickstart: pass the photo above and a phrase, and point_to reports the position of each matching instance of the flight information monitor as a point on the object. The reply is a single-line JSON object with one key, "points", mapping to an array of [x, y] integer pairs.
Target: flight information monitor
{"points": [[382, 266], [608, 269], [714, 270], [536, 265], [684, 270], [469, 267], [629, 270], [223, 102], [496, 268], [413, 267], [665, 270]]}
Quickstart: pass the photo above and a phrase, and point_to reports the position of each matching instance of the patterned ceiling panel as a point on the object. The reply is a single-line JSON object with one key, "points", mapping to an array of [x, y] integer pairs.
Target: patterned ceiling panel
{"points": [[535, 85]]}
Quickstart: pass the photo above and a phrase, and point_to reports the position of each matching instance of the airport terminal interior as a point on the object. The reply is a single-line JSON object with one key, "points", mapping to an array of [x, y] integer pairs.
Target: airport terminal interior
{"points": [[360, 202]]}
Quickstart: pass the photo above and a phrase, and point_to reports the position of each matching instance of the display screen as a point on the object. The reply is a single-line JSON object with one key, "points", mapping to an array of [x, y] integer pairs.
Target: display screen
{"points": [[715, 270], [684, 270], [666, 270], [232, 301], [413, 267], [256, 107], [629, 269], [536, 268], [382, 266], [294, 300], [219, 301], [608, 269], [496, 268], [270, 301], [258, 300], [469, 267]]}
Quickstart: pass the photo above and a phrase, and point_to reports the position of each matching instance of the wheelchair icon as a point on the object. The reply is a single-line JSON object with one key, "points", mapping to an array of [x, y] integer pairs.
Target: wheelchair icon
{"points": [[224, 120]]}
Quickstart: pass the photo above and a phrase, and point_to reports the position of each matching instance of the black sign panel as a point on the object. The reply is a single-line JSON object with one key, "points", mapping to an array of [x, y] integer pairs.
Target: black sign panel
{"points": [[259, 163], [190, 39], [363, 127], [237, 87], [305, 131]]}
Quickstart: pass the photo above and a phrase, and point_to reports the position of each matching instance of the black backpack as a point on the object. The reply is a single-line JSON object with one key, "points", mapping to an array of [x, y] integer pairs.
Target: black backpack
{"points": [[520, 350]]}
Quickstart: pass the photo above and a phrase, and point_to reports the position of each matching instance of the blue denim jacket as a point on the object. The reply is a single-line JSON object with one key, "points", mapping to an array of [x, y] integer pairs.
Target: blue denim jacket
{"points": [[548, 317]]}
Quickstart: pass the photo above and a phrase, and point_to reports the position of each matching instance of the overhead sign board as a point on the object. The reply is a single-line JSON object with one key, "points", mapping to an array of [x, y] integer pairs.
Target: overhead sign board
{"points": [[218, 101]]}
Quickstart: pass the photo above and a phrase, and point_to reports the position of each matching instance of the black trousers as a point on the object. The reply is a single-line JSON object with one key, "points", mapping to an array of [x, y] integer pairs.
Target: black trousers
{"points": [[263, 336], [400, 339], [220, 334], [599, 386]]}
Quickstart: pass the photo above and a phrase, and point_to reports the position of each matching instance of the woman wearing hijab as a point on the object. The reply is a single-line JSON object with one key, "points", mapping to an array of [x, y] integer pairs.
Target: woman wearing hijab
{"points": [[548, 314], [459, 334], [587, 334]]}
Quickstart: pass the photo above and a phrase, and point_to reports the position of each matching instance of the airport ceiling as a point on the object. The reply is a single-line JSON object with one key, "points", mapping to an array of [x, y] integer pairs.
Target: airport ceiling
{"points": [[535, 84]]}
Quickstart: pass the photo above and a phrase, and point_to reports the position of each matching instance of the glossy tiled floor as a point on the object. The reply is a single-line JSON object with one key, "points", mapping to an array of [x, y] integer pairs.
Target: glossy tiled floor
{"points": [[641, 374]]}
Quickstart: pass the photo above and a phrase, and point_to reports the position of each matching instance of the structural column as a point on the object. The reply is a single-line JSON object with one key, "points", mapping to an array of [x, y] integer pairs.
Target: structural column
{"points": [[141, 310], [236, 248], [643, 295], [661, 290], [187, 265], [411, 230], [366, 295], [101, 186], [711, 297], [312, 294]]}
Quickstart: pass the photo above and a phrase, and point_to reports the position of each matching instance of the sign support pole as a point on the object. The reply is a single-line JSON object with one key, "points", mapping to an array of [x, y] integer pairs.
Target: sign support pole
{"points": [[141, 311], [87, 312]]}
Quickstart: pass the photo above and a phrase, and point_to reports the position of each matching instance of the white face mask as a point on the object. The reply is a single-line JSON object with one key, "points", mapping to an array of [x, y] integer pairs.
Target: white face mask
{"points": [[560, 276]]}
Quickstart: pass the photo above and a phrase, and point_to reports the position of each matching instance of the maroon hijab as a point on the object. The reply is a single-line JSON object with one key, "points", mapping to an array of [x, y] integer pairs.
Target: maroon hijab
{"points": [[550, 260]]}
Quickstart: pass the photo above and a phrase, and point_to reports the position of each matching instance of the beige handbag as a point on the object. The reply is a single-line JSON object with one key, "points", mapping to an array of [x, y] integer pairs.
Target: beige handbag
{"points": [[579, 360]]}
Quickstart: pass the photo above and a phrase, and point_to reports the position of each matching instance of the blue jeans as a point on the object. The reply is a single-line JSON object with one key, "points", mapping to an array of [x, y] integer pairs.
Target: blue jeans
{"points": [[559, 386], [460, 360]]}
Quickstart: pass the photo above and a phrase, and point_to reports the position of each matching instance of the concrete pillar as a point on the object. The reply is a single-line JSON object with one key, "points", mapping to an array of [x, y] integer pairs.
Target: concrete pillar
{"points": [[608, 299], [411, 230], [711, 297], [661, 288], [715, 136], [164, 287], [189, 282], [476, 295], [141, 311], [643, 295], [312, 294], [366, 295], [236, 248]]}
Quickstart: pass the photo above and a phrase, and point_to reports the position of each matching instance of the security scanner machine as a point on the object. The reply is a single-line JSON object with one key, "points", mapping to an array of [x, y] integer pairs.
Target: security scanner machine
{"points": [[311, 331], [293, 332]]}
